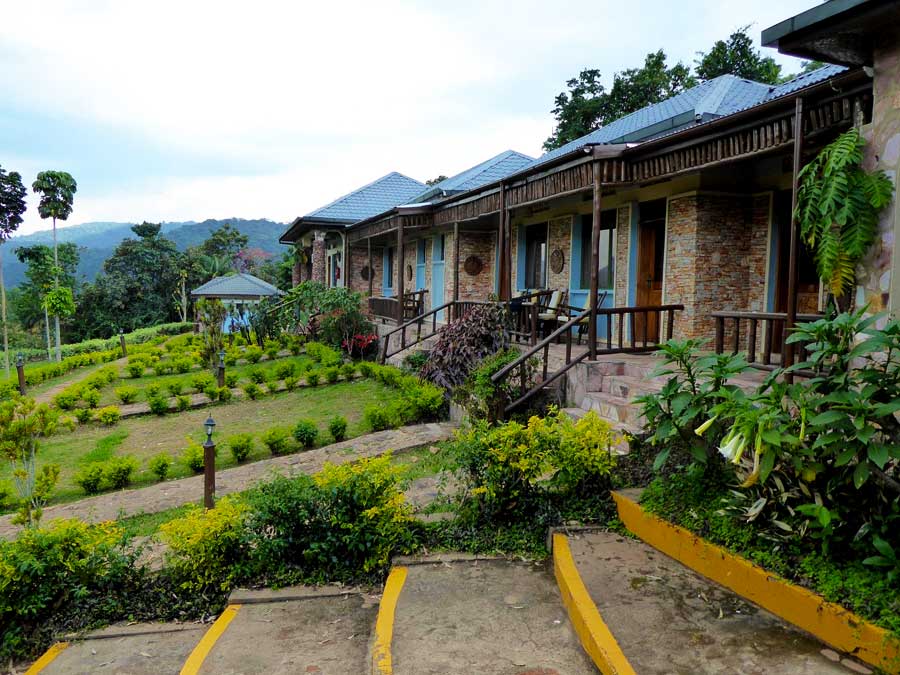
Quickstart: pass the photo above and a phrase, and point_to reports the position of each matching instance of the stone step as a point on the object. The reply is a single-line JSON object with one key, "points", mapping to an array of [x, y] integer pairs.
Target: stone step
{"points": [[668, 619], [629, 387], [487, 616], [613, 408]]}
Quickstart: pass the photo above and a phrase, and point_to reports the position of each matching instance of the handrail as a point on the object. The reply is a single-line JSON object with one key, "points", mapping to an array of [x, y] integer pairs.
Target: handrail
{"points": [[417, 321], [760, 357]]}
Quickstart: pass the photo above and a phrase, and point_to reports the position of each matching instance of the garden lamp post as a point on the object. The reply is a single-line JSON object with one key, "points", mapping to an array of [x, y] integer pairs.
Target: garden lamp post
{"points": [[122, 343], [209, 465], [221, 369], [20, 370]]}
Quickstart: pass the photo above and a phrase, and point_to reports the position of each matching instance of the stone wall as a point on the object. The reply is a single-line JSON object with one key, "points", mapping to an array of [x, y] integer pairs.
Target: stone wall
{"points": [[623, 240], [559, 237], [480, 286]]}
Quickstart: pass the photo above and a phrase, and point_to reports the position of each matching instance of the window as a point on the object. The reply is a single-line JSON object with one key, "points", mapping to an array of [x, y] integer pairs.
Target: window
{"points": [[389, 268], [606, 277], [536, 256], [440, 243]]}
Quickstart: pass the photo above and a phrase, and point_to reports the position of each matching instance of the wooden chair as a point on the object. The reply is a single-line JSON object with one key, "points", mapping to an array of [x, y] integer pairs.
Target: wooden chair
{"points": [[570, 311], [548, 317]]}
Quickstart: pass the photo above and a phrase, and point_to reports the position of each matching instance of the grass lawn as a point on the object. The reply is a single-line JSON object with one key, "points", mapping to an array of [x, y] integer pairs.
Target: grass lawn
{"points": [[63, 380], [143, 437], [108, 393]]}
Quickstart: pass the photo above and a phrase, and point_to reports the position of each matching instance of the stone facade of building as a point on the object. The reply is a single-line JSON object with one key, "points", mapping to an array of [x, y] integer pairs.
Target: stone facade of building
{"points": [[559, 238], [623, 240], [482, 245]]}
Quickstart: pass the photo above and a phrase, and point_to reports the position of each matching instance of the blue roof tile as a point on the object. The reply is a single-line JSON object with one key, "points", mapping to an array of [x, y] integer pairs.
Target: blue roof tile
{"points": [[369, 200], [489, 171], [236, 286]]}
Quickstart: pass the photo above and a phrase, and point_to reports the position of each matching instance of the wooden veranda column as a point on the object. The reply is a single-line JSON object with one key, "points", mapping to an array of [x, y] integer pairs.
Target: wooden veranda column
{"points": [[371, 270], [595, 262], [787, 355], [455, 313], [505, 258], [401, 269]]}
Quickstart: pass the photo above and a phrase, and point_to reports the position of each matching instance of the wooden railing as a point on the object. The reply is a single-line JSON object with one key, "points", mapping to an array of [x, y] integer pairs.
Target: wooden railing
{"points": [[383, 307], [765, 347], [518, 370]]}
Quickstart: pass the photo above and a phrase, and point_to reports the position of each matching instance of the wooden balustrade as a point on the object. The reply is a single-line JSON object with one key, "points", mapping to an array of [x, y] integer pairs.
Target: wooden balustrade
{"points": [[762, 333]]}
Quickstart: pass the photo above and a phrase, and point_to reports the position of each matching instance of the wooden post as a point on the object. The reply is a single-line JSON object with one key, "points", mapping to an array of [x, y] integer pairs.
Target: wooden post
{"points": [[371, 269], [209, 474], [505, 274], [455, 313], [220, 375], [401, 271], [122, 344], [595, 263], [345, 262], [787, 356], [20, 371]]}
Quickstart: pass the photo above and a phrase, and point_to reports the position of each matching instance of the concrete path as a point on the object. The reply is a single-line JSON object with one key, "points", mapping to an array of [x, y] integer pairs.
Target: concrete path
{"points": [[668, 619], [140, 649], [168, 494], [483, 616]]}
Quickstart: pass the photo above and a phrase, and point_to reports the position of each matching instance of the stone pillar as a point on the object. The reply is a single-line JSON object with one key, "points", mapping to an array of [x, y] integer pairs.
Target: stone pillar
{"points": [[318, 257], [296, 268]]}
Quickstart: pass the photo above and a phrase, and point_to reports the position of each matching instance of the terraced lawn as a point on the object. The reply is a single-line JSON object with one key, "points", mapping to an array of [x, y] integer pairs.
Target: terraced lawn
{"points": [[144, 437]]}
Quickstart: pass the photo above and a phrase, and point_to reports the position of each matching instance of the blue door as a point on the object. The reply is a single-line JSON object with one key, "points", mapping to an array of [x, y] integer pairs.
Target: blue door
{"points": [[437, 273], [387, 266], [420, 265], [580, 280]]}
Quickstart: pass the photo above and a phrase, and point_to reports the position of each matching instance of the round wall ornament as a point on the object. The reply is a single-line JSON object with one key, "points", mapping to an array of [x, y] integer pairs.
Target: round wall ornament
{"points": [[473, 265], [364, 273], [409, 272], [557, 261]]}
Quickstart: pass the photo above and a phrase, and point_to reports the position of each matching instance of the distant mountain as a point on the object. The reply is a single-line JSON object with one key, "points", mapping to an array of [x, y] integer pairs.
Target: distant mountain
{"points": [[97, 241]]}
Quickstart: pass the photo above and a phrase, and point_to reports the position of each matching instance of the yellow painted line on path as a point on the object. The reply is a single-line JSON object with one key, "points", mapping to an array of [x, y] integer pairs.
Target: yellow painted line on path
{"points": [[46, 658], [208, 641], [829, 622], [384, 625], [596, 637]]}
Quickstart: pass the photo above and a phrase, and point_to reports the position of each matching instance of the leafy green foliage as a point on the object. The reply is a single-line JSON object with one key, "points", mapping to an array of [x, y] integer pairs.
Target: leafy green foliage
{"points": [[838, 203], [127, 393], [306, 433], [337, 427], [159, 465], [109, 415], [737, 56], [252, 390], [12, 203], [241, 445], [277, 440], [480, 397], [159, 405], [192, 457]]}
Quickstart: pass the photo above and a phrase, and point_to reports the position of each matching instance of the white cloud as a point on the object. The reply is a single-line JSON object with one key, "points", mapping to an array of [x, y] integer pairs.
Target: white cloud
{"points": [[322, 96]]}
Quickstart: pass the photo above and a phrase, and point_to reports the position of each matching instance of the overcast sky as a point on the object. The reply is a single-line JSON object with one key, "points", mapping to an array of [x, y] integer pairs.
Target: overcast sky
{"points": [[192, 109]]}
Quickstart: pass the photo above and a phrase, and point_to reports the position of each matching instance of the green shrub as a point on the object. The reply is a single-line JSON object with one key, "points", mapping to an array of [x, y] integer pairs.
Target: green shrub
{"points": [[276, 440], [257, 375], [312, 378], [323, 354], [67, 571], [163, 368], [206, 547], [175, 387], [84, 415], [332, 374], [377, 417], [231, 380], [481, 398], [241, 445], [159, 405], [127, 393], [306, 433], [90, 478], [192, 457], [212, 391], [159, 465], [290, 383], [109, 415], [337, 427], [253, 354], [117, 472], [285, 370], [181, 366], [413, 363], [136, 369], [224, 394], [348, 370], [91, 397], [182, 402], [67, 398], [200, 381], [366, 369], [273, 386], [231, 357], [252, 390], [153, 389]]}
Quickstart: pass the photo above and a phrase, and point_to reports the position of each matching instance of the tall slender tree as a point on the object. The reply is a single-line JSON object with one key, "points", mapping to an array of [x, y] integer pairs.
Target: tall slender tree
{"points": [[57, 190], [12, 206]]}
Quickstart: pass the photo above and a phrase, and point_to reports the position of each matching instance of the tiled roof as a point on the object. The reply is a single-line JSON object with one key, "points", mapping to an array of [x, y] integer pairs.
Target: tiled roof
{"points": [[720, 96], [489, 171], [369, 200], [235, 286]]}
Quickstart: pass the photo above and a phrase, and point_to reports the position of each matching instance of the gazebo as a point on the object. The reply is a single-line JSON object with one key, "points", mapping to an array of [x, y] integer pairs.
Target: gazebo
{"points": [[236, 291]]}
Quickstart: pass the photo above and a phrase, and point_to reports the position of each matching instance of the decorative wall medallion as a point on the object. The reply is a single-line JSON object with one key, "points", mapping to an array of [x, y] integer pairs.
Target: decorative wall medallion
{"points": [[364, 273], [557, 261], [409, 272], [473, 266]]}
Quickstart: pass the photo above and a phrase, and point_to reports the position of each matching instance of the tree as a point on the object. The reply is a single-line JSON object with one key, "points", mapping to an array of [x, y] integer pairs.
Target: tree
{"points": [[435, 181], [41, 274], [12, 206], [737, 56], [57, 190], [225, 242], [588, 106], [838, 203]]}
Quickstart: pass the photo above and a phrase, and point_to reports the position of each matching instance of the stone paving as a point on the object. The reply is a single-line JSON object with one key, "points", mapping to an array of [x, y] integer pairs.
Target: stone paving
{"points": [[169, 494]]}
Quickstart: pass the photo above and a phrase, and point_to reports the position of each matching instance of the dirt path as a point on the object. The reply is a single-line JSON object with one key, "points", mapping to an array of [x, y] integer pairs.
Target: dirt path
{"points": [[169, 494], [47, 395]]}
